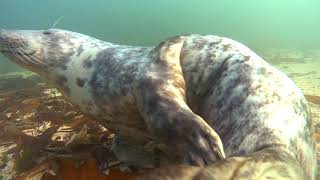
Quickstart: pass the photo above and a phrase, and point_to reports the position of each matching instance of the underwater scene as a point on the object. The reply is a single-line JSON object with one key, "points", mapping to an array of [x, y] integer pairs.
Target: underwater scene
{"points": [[45, 136]]}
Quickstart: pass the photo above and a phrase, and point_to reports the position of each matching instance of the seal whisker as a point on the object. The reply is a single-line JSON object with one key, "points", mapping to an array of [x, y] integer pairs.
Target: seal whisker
{"points": [[57, 21], [38, 60], [27, 55], [23, 54], [17, 55], [34, 59], [33, 56]]}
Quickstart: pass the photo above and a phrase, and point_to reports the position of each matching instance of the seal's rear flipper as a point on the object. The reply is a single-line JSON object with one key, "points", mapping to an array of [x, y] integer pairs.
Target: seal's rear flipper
{"points": [[270, 163], [160, 95]]}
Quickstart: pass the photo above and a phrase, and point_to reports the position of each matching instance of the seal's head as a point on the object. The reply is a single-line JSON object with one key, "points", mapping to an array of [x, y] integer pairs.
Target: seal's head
{"points": [[42, 51]]}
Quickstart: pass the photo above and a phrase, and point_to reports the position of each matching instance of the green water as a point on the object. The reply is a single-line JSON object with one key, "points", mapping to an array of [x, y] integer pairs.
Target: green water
{"points": [[258, 24]]}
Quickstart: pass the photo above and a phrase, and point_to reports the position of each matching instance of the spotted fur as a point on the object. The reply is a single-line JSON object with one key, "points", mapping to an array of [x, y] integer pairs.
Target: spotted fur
{"points": [[192, 99]]}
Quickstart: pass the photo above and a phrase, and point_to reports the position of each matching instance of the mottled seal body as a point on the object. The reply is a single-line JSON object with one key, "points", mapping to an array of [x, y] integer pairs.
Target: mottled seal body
{"points": [[192, 99]]}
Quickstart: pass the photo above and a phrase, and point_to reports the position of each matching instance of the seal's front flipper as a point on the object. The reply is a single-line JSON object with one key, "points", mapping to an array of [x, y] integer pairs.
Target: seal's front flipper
{"points": [[161, 100], [137, 156]]}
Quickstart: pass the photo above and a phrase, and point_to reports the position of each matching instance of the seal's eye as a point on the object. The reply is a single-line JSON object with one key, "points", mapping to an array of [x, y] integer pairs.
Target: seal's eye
{"points": [[46, 32]]}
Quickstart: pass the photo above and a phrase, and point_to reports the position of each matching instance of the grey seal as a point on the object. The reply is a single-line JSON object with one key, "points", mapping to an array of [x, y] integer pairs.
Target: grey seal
{"points": [[193, 99]]}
